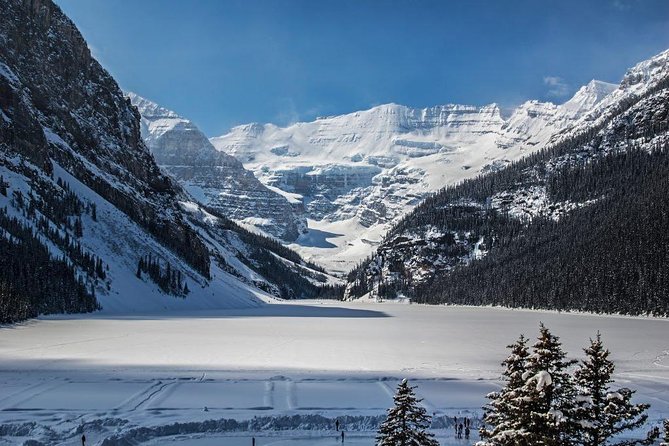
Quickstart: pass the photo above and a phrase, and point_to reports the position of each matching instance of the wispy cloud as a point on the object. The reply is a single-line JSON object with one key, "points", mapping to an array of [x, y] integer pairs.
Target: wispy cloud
{"points": [[622, 5], [287, 113], [557, 87]]}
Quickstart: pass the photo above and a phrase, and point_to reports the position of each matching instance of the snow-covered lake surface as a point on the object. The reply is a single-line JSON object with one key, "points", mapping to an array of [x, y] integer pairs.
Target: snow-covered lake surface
{"points": [[285, 362]]}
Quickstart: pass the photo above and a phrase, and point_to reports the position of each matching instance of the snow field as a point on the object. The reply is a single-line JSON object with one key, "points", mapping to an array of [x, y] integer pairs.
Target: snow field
{"points": [[38, 393], [289, 362], [302, 439]]}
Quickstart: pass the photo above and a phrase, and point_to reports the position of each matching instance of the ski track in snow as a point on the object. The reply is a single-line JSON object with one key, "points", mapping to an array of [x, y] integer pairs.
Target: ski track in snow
{"points": [[293, 359], [661, 358]]}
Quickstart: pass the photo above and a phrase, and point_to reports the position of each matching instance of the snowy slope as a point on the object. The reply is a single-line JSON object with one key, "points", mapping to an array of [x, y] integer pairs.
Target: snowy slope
{"points": [[215, 178], [637, 81], [119, 242], [366, 169], [77, 179], [561, 210]]}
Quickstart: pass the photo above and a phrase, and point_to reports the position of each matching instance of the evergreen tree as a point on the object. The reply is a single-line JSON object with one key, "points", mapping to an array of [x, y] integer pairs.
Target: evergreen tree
{"points": [[665, 442], [407, 421], [505, 416], [549, 393], [99, 269], [78, 228], [601, 412]]}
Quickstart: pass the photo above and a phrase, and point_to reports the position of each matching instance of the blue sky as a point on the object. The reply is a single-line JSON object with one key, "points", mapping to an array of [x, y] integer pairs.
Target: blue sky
{"points": [[223, 63]]}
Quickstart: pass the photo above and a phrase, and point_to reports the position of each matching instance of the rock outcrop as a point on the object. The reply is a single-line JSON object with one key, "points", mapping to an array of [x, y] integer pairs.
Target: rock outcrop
{"points": [[215, 178]]}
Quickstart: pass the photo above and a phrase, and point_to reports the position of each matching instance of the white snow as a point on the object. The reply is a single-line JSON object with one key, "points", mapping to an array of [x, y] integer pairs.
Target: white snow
{"points": [[115, 236], [543, 379], [292, 359], [376, 165], [8, 74], [338, 245], [614, 396]]}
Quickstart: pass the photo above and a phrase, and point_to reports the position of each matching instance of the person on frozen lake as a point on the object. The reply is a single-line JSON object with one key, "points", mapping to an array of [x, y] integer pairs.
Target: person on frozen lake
{"points": [[342, 436], [337, 425], [83, 440]]}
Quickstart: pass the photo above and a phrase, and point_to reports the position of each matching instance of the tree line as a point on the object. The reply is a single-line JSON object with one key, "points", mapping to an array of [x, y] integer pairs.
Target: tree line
{"points": [[34, 279], [605, 255]]}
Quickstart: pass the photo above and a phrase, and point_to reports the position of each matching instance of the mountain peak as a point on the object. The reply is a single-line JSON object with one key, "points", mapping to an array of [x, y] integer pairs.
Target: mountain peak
{"points": [[150, 109], [587, 97], [651, 69], [597, 85]]}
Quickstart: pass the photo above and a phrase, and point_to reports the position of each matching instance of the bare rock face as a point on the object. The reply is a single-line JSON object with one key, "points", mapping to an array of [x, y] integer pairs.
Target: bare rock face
{"points": [[62, 105], [215, 178]]}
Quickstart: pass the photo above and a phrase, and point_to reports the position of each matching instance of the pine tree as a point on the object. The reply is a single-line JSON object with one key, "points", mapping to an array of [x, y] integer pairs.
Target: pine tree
{"points": [[549, 392], [506, 415], [601, 412], [407, 421], [78, 228], [665, 441]]}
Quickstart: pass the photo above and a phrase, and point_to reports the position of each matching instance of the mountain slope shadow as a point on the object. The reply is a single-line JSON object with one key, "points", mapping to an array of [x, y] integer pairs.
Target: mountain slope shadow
{"points": [[316, 238], [270, 310]]}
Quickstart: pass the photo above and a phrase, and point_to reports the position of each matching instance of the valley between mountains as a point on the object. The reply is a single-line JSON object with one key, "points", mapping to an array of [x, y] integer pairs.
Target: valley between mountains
{"points": [[159, 285]]}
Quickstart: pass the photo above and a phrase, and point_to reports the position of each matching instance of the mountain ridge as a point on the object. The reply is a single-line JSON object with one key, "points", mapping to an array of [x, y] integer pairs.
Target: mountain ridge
{"points": [[361, 171], [217, 179], [573, 226]]}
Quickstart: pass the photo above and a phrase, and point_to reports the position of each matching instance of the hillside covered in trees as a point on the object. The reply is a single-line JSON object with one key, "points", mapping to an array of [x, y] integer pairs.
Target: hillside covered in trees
{"points": [[579, 225]]}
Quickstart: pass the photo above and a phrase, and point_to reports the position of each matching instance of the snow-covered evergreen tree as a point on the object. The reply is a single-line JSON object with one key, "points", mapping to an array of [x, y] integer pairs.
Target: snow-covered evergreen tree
{"points": [[407, 421], [602, 413], [505, 417], [665, 441], [550, 393]]}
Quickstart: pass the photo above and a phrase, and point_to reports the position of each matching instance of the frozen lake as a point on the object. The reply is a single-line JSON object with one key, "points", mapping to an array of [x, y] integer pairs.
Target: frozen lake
{"points": [[295, 359]]}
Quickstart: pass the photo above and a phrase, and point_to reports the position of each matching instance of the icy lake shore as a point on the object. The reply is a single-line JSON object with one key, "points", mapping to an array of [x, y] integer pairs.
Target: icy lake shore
{"points": [[287, 361]]}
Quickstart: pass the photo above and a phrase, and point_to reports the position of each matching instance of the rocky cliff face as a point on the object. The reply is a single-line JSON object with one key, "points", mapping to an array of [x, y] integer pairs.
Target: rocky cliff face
{"points": [[362, 171], [62, 106], [217, 179], [86, 215]]}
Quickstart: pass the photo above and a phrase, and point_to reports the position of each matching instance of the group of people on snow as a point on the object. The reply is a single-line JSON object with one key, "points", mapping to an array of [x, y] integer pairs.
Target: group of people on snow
{"points": [[463, 427]]}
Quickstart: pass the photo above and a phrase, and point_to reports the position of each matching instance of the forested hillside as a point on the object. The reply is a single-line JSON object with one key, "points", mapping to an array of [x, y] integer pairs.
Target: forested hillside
{"points": [[580, 225]]}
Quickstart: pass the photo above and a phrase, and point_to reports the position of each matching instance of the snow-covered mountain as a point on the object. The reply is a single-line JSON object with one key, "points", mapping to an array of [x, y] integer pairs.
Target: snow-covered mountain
{"points": [[358, 173], [579, 225], [217, 179], [87, 219]]}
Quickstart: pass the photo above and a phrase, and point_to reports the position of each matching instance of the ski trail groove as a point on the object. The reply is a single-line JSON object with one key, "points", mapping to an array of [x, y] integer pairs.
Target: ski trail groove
{"points": [[160, 387]]}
